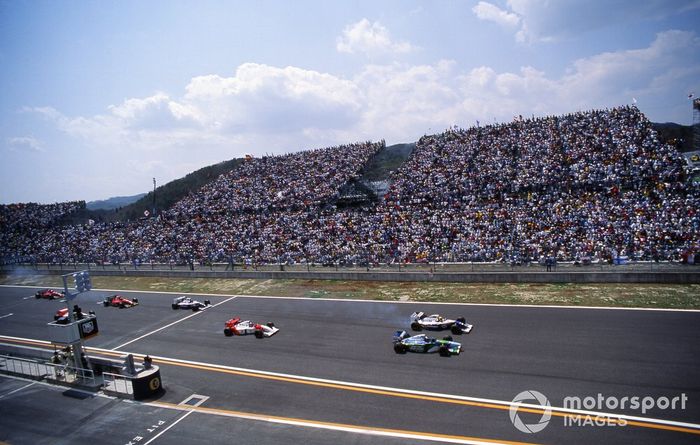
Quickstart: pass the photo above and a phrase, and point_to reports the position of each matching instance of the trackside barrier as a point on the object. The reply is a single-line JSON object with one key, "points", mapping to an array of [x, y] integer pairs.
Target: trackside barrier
{"points": [[118, 384], [470, 272], [38, 370], [142, 385], [143, 382]]}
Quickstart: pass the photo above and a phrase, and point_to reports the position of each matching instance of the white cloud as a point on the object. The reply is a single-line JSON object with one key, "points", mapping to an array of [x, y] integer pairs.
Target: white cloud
{"points": [[262, 98], [261, 102], [370, 39], [545, 20], [25, 143], [634, 71], [265, 109], [134, 108], [490, 12], [404, 102]]}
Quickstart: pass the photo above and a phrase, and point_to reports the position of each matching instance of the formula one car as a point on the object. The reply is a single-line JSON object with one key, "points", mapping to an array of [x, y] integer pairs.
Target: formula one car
{"points": [[404, 343], [48, 293], [237, 327], [437, 322], [61, 315], [186, 302], [119, 301]]}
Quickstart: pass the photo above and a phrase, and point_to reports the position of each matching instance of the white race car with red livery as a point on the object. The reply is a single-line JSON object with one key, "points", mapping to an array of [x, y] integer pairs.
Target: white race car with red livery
{"points": [[236, 326]]}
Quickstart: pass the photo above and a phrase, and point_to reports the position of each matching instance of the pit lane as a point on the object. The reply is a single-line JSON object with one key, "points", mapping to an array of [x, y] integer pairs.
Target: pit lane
{"points": [[556, 351]]}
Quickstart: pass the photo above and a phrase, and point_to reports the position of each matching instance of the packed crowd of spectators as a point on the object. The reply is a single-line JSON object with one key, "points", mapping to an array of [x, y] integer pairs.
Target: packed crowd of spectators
{"points": [[594, 184], [278, 183], [21, 223], [588, 185], [31, 215]]}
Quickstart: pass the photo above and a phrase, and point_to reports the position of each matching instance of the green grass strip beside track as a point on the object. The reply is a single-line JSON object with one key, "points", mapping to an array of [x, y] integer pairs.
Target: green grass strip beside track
{"points": [[671, 296]]}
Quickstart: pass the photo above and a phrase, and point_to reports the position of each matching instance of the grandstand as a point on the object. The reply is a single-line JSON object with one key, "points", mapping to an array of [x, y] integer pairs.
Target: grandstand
{"points": [[593, 185]]}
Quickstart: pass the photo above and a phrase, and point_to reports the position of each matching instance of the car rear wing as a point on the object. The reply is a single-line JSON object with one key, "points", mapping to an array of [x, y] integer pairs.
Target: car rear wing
{"points": [[400, 335], [417, 316]]}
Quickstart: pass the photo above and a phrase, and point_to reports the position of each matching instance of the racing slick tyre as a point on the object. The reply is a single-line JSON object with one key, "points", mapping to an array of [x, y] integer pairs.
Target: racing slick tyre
{"points": [[105, 303], [270, 325], [195, 308], [416, 326], [259, 333], [207, 303], [444, 352], [399, 348], [175, 306], [456, 330], [228, 332], [448, 338], [135, 301], [37, 296], [462, 320], [122, 305]]}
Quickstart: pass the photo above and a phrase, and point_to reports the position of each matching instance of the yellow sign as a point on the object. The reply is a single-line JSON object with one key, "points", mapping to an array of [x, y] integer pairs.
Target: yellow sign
{"points": [[154, 384]]}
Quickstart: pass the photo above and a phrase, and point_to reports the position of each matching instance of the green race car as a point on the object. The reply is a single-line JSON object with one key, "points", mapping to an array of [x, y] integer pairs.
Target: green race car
{"points": [[404, 343]]}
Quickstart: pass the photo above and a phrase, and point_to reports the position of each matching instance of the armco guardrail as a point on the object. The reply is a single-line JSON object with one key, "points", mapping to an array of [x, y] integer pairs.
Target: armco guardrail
{"points": [[118, 384], [637, 272], [41, 370]]}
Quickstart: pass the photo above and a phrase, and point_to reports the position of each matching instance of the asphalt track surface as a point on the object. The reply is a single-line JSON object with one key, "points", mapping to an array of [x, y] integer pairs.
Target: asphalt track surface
{"points": [[331, 376]]}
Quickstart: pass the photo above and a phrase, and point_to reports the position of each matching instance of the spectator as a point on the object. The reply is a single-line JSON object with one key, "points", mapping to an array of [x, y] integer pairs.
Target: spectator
{"points": [[562, 187]]}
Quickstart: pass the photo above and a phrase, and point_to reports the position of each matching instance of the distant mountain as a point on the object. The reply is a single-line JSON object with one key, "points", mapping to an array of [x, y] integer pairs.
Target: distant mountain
{"points": [[113, 203], [679, 136], [166, 195]]}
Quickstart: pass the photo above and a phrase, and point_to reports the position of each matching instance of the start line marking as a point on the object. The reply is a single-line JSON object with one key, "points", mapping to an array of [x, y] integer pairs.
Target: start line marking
{"points": [[168, 325]]}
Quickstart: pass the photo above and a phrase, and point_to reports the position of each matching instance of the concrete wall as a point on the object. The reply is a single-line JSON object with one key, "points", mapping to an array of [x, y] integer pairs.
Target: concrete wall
{"points": [[567, 276]]}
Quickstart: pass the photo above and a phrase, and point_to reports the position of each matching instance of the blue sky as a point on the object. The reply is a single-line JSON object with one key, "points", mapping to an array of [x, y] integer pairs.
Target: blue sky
{"points": [[99, 97]]}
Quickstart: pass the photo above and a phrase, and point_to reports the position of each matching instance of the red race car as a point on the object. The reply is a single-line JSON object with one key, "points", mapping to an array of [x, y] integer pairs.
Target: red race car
{"points": [[49, 294], [237, 327], [120, 302]]}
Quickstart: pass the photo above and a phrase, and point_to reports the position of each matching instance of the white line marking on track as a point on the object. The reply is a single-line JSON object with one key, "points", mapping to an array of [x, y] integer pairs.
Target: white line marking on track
{"points": [[17, 390], [197, 398], [169, 426], [350, 300], [168, 325], [337, 427], [7, 315]]}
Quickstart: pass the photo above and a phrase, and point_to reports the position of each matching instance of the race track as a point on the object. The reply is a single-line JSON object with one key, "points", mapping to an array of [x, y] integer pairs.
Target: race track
{"points": [[331, 376]]}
